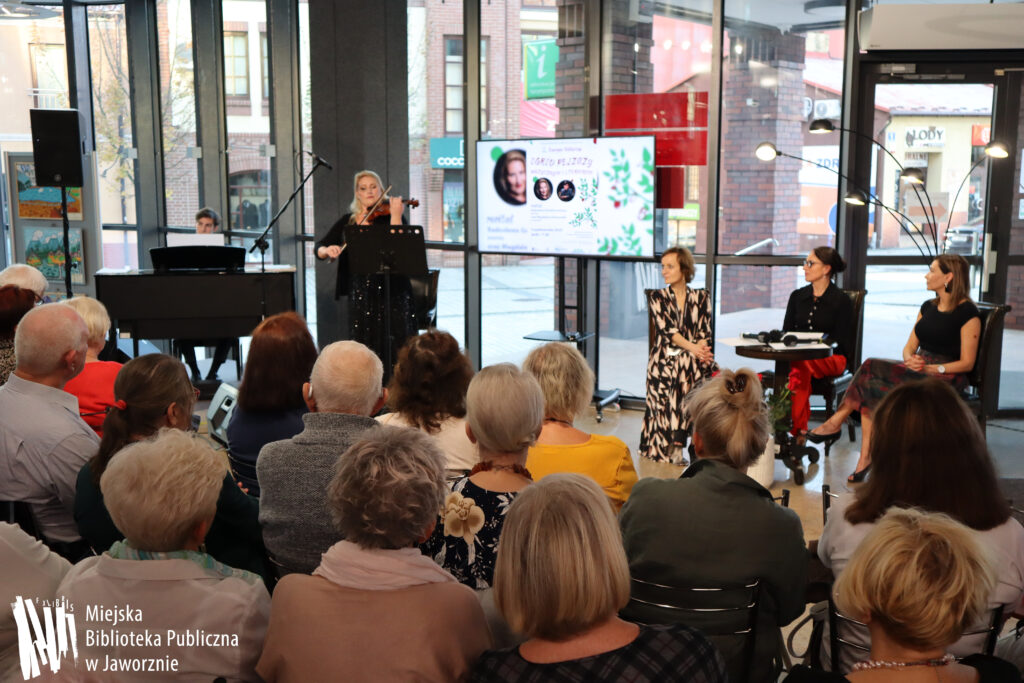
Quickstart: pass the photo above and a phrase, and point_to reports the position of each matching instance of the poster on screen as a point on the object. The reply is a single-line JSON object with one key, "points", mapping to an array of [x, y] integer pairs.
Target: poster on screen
{"points": [[567, 196]]}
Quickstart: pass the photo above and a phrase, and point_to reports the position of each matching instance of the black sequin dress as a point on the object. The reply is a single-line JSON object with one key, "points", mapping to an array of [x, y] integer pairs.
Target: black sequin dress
{"points": [[368, 304]]}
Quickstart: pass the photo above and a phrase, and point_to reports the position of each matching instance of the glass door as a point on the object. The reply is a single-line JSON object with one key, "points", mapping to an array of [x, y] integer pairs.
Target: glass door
{"points": [[932, 182]]}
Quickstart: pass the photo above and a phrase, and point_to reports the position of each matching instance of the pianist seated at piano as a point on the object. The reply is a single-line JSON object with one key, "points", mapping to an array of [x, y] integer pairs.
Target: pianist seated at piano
{"points": [[207, 222], [270, 404]]}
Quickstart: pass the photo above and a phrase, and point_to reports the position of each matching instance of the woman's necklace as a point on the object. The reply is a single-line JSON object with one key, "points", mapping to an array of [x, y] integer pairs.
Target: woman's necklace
{"points": [[567, 423], [487, 466], [944, 660]]}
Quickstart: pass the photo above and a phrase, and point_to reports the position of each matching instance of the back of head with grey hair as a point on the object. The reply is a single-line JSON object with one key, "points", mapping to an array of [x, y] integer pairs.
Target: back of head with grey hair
{"points": [[347, 378], [504, 408], [159, 489], [387, 488], [45, 334], [729, 414], [25, 276]]}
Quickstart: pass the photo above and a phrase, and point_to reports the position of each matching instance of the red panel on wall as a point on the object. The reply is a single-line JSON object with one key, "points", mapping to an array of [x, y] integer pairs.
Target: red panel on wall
{"points": [[678, 121], [670, 189]]}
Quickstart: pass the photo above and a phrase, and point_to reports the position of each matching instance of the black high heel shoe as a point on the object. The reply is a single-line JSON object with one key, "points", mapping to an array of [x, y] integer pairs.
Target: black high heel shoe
{"points": [[859, 476], [827, 439]]}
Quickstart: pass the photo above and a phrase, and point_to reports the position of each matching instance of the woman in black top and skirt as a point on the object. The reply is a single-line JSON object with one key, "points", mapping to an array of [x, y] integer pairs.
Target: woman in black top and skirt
{"points": [[818, 307], [368, 305], [943, 344]]}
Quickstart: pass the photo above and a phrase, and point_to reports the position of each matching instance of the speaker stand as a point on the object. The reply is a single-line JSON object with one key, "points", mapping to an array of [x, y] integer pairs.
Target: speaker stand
{"points": [[67, 238]]}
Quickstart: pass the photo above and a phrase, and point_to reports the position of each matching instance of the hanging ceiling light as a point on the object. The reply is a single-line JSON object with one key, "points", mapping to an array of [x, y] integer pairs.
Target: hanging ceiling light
{"points": [[821, 126], [996, 150], [855, 198]]}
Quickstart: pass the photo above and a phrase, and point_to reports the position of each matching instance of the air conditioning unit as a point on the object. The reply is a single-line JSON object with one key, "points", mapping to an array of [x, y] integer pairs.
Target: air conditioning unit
{"points": [[827, 109], [942, 27]]}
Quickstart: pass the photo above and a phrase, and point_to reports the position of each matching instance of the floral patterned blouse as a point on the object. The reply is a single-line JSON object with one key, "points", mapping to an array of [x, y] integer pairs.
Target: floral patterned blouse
{"points": [[465, 540]]}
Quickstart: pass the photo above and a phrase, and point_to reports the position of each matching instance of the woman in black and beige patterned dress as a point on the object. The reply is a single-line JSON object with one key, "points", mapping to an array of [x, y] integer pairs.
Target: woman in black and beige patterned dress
{"points": [[680, 358]]}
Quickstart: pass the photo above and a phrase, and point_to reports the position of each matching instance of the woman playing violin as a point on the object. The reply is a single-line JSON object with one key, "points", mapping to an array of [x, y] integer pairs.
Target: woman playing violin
{"points": [[367, 304]]}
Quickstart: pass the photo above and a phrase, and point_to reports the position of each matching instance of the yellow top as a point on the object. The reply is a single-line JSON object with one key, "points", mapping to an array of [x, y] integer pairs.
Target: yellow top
{"points": [[605, 459]]}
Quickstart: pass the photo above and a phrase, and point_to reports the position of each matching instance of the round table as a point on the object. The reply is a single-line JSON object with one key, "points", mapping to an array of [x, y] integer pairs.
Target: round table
{"points": [[789, 452]]}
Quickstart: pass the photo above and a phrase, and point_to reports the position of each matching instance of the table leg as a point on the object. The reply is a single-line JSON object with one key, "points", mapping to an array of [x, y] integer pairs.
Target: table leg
{"points": [[789, 453]]}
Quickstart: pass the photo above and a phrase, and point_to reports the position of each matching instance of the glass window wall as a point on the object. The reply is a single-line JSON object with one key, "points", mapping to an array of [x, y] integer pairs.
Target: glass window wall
{"points": [[112, 115]]}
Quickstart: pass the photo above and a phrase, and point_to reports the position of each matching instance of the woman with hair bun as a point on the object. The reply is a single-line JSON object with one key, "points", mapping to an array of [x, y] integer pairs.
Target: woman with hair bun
{"points": [[715, 526], [818, 307]]}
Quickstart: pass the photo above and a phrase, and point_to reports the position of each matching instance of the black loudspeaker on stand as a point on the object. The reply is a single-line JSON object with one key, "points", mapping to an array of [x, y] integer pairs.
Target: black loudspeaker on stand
{"points": [[57, 153]]}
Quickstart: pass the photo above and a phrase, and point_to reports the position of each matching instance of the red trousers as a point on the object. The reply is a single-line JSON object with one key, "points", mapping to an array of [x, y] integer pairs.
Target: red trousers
{"points": [[800, 374]]}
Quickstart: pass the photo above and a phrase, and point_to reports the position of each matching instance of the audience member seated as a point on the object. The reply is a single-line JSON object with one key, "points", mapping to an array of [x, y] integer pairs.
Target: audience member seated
{"points": [[30, 570], [928, 452], [153, 392], [343, 391], [715, 526], [375, 608], [918, 580], [504, 415], [94, 385], [26, 277], [43, 441], [568, 385], [560, 580], [428, 392], [270, 404], [15, 302], [163, 495]]}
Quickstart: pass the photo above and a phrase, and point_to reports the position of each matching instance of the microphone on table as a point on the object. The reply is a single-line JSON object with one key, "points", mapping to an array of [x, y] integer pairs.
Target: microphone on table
{"points": [[776, 336]]}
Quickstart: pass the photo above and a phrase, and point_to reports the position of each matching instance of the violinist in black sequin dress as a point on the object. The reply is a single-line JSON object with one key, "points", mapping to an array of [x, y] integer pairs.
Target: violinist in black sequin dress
{"points": [[367, 301]]}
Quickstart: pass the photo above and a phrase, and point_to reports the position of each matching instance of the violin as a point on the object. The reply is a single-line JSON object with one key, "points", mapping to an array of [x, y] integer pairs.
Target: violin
{"points": [[381, 207]]}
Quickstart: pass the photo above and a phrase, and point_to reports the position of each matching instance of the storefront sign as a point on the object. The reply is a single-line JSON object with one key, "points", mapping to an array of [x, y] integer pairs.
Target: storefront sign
{"points": [[980, 135], [447, 153], [926, 136], [540, 58]]}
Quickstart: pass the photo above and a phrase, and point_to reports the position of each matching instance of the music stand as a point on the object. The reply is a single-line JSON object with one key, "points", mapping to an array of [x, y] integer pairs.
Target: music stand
{"points": [[386, 250]]}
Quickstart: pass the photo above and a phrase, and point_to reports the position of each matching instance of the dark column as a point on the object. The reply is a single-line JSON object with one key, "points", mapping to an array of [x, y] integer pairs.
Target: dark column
{"points": [[360, 118], [760, 199]]}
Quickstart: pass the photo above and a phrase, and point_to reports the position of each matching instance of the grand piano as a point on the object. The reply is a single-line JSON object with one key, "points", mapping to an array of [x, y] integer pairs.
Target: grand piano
{"points": [[193, 304]]}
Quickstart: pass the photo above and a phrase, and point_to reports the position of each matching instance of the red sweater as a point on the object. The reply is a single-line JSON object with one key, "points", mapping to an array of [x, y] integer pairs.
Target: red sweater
{"points": [[94, 387]]}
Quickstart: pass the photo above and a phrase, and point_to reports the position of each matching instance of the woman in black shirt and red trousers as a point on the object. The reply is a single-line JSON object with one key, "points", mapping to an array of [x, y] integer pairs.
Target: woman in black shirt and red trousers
{"points": [[819, 307]]}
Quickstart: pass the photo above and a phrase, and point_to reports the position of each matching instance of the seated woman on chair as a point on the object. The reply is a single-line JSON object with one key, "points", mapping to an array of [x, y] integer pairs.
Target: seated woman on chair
{"points": [[153, 392], [270, 404], [568, 385], [929, 453], [560, 579], [919, 580], [715, 526], [818, 307], [943, 344]]}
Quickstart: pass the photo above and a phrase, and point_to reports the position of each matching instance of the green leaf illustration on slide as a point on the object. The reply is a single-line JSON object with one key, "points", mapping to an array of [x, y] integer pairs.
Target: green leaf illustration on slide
{"points": [[586, 190], [496, 153], [626, 187], [628, 243]]}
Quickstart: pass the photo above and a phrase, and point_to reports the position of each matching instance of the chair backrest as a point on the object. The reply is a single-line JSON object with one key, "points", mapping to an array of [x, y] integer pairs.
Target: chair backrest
{"points": [[857, 298], [826, 501], [992, 316], [652, 331], [19, 512], [838, 641], [716, 611], [424, 298]]}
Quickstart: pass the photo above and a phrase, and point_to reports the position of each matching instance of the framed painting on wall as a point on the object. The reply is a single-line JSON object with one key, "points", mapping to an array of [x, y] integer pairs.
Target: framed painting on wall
{"points": [[44, 249], [42, 202]]}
